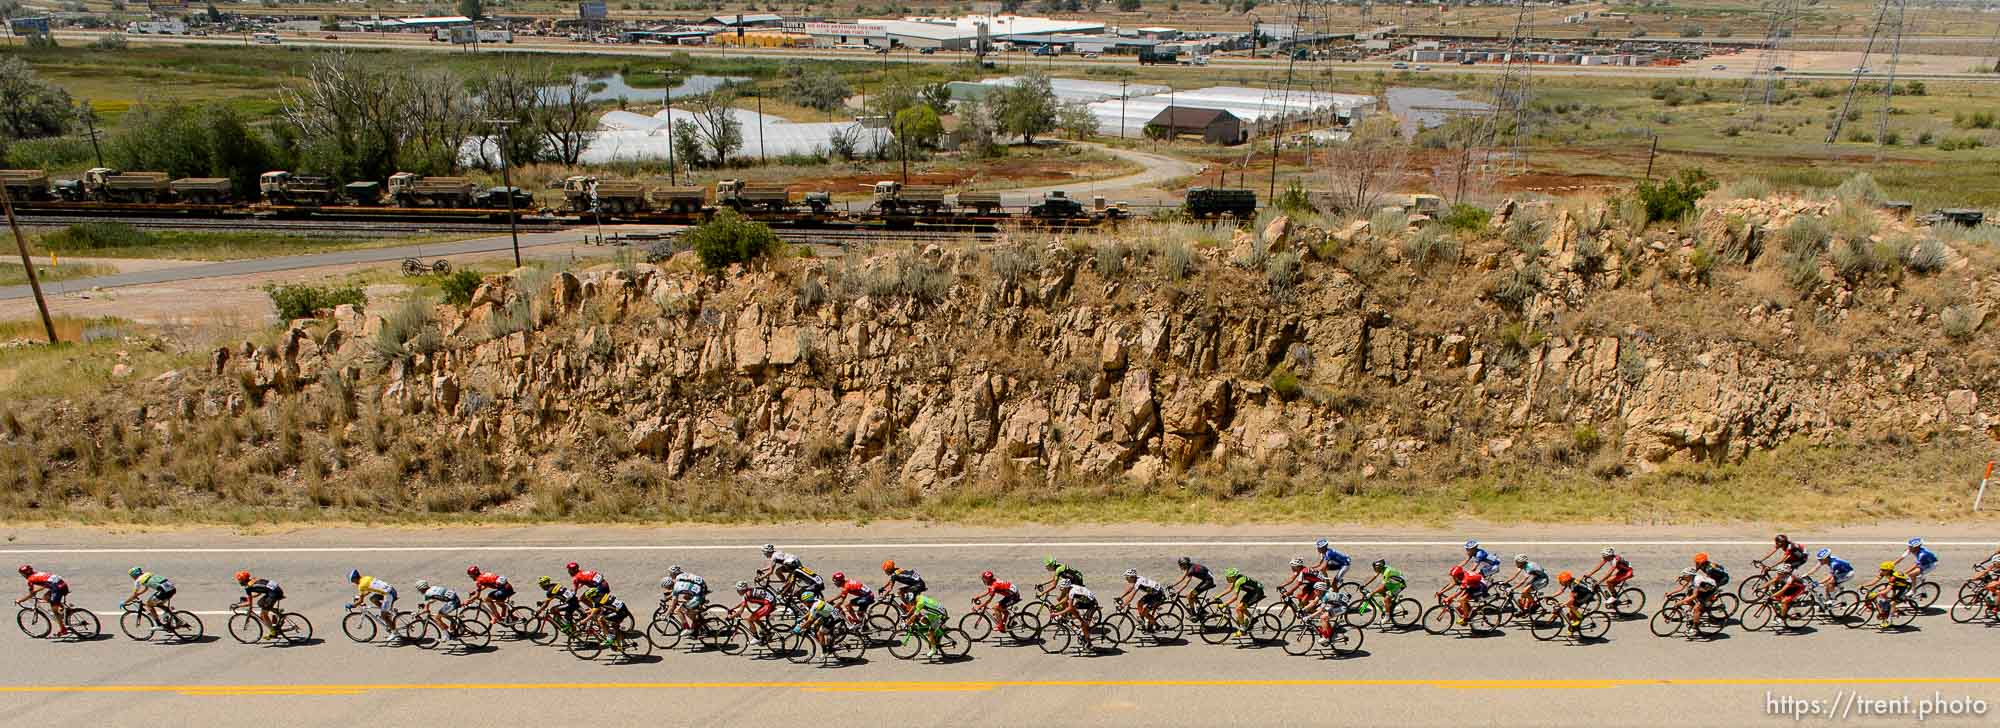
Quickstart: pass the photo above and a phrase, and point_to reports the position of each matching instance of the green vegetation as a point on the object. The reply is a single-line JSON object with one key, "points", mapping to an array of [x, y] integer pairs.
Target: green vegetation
{"points": [[1466, 218], [119, 240], [11, 274], [297, 301], [459, 286], [729, 239], [1676, 197]]}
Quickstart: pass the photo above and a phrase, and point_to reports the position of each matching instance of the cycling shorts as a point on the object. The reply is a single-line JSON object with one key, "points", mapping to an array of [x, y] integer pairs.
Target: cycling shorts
{"points": [[862, 601], [445, 609], [1010, 599], [1082, 605], [763, 610], [1152, 599], [1538, 583], [385, 601], [1796, 561], [1792, 590], [1339, 572], [1840, 577], [1486, 569], [57, 594], [269, 600], [1202, 587], [164, 595], [1476, 592], [929, 620], [692, 600], [1251, 598], [500, 593], [1393, 587], [912, 589]]}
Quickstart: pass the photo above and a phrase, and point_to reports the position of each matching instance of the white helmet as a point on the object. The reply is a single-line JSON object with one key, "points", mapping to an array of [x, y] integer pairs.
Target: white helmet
{"points": [[674, 570], [1689, 571], [1520, 559], [770, 549], [1131, 573], [422, 585], [1064, 584], [667, 583], [1609, 552], [1298, 562]]}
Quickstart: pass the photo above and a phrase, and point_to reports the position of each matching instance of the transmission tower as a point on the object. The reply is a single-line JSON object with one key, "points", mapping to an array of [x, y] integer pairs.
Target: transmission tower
{"points": [[1889, 83], [1854, 84], [1772, 55], [1510, 96]]}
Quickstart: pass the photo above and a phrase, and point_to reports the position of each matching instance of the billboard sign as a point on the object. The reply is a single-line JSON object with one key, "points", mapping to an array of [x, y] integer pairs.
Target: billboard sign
{"points": [[845, 29], [593, 10]]}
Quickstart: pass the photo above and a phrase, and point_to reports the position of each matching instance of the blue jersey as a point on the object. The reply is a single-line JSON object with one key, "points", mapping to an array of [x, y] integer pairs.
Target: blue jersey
{"points": [[1926, 559], [1839, 567], [1482, 557], [1335, 559]]}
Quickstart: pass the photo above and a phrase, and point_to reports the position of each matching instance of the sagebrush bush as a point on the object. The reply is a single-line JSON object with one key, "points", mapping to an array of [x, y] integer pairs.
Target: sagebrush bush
{"points": [[458, 286], [1432, 246], [728, 238], [297, 301], [1925, 257], [1959, 321], [1388, 222]]}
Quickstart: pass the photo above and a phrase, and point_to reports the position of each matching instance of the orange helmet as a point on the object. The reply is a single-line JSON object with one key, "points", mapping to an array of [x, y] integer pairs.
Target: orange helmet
{"points": [[1565, 578], [888, 566], [1701, 559], [243, 577]]}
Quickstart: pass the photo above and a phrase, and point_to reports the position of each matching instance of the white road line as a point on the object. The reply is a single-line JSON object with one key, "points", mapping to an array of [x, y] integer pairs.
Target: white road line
{"points": [[939, 546]]}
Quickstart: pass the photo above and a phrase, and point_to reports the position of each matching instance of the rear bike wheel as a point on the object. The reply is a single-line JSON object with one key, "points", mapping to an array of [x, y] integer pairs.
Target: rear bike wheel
{"points": [[1593, 626], [1365, 612], [955, 644], [245, 628], [186, 627], [1794, 616], [880, 628], [1168, 626], [1039, 609], [1265, 628], [1346, 642], [977, 626], [521, 622], [1902, 613], [1488, 618], [33, 622], [1023, 628], [295, 629], [1353, 591], [1439, 618], [359, 627], [1728, 604], [1546, 626], [1845, 606], [735, 639], [847, 646], [474, 635], [1406, 613], [1712, 621]]}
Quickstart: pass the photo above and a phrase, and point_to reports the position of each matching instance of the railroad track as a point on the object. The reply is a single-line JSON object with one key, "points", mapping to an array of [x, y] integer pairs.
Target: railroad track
{"points": [[321, 228]]}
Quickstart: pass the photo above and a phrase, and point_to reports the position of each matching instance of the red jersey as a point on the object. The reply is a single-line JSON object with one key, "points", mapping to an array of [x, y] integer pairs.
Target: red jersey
{"points": [[590, 578], [854, 587], [1000, 587], [1473, 580], [488, 580], [47, 580]]}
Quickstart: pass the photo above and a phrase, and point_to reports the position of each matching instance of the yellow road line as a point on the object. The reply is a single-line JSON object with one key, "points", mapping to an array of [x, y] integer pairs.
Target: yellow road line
{"points": [[984, 685]]}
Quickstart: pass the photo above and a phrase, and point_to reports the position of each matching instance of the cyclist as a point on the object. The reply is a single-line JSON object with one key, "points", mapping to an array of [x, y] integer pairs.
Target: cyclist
{"points": [[1196, 578], [905, 582], [1621, 570], [1471, 585], [854, 599], [1712, 570], [756, 605], [927, 617], [774, 559], [1244, 593], [1331, 604], [1925, 560], [54, 590], [382, 594], [448, 602], [1000, 596], [603, 609], [555, 595], [797, 578], [1478, 559], [1530, 576], [1795, 555], [1786, 587], [490, 592], [1332, 563], [580, 578], [819, 617], [1701, 588], [1575, 595], [162, 589], [1300, 586], [1838, 571], [1058, 573], [1144, 595], [1392, 583], [1076, 602], [1988, 575], [690, 588], [266, 593], [1888, 586]]}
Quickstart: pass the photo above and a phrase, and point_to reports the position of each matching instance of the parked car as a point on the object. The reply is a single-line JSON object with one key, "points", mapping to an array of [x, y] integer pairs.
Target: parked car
{"points": [[1466, 62], [1422, 67], [1718, 67], [1399, 65]]}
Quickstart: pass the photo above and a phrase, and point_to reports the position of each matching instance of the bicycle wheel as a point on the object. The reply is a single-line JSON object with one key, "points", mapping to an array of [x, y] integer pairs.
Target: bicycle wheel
{"points": [[1793, 617], [585, 644], [1752, 587], [1023, 628], [847, 646], [1631, 601], [1285, 612], [1546, 626], [880, 628], [1970, 586], [545, 630], [976, 625], [412, 267], [1118, 628], [474, 635], [1488, 618], [737, 638], [1902, 613], [1168, 626], [245, 628], [633, 645], [799, 647], [907, 647], [419, 631], [1968, 608], [1729, 605], [664, 633], [955, 644], [136, 625], [186, 626], [441, 268], [1439, 619], [1365, 612], [1845, 606], [1406, 613], [1216, 628], [295, 629], [1055, 637], [1039, 609], [717, 633], [1594, 626], [1757, 616], [34, 622], [1926, 594], [1353, 591], [521, 622], [1301, 638], [1712, 621], [1346, 642], [1265, 628], [359, 627], [1665, 622]]}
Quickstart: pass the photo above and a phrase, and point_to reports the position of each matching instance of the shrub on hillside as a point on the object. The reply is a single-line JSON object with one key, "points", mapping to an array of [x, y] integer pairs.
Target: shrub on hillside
{"points": [[1466, 218], [458, 286], [302, 301], [728, 239], [1675, 197]]}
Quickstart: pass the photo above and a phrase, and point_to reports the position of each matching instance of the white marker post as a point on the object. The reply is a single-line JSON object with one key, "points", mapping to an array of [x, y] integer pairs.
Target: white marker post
{"points": [[1982, 486]]}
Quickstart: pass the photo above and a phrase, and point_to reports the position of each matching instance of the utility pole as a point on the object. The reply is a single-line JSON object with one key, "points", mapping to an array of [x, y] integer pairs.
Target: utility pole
{"points": [[903, 140], [1655, 149], [506, 178], [672, 178], [90, 121], [761, 154], [27, 265], [1121, 108]]}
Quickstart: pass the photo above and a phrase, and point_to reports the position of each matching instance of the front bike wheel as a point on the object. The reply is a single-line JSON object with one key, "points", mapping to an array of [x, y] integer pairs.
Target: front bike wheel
{"points": [[664, 632], [1968, 608], [585, 645], [1751, 588], [136, 626], [245, 628], [1439, 619], [907, 647], [1118, 628], [359, 627], [1665, 622], [545, 630], [1216, 628], [977, 626], [33, 622], [1365, 612], [1301, 639], [1926, 594], [1055, 637], [418, 631], [1757, 616], [1845, 606], [295, 629], [1353, 591]]}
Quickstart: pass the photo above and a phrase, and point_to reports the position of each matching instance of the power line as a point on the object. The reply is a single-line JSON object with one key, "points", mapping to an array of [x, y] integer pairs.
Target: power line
{"points": [[1853, 84]]}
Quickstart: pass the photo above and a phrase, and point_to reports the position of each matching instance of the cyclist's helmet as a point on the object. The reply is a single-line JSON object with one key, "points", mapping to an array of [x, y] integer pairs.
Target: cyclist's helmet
{"points": [[839, 577], [26, 569], [1457, 573], [808, 597], [1824, 554], [985, 576], [589, 594], [742, 586], [888, 566], [1916, 543], [770, 549], [667, 583], [1231, 573], [1782, 539], [1380, 564], [1187, 561], [135, 572], [545, 582], [1064, 584], [243, 577], [422, 585], [1321, 545], [1298, 563], [1049, 563], [1520, 559], [674, 570], [1131, 573], [1564, 578], [1470, 545], [572, 568], [472, 571], [1888, 566], [354, 576], [1701, 559], [1608, 552]]}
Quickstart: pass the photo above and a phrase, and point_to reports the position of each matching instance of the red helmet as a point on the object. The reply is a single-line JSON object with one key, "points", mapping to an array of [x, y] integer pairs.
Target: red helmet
{"points": [[26, 570], [986, 576], [1457, 573], [243, 577], [839, 577], [572, 567], [472, 571]]}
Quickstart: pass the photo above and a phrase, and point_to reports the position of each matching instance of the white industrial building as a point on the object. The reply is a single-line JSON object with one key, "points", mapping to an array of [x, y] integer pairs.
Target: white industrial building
{"points": [[627, 136]]}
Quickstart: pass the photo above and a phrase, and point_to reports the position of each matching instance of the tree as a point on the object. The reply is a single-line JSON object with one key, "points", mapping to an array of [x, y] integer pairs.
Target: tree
{"points": [[346, 117], [1128, 6], [918, 126], [1367, 166], [568, 120], [1076, 121], [1675, 197], [473, 9], [729, 239], [191, 140], [977, 127], [716, 125], [938, 97], [513, 92], [819, 89], [893, 97], [687, 146], [1027, 107], [31, 108]]}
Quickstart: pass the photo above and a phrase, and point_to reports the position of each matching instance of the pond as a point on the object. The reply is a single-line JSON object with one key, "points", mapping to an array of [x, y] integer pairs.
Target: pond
{"points": [[614, 87], [1424, 108]]}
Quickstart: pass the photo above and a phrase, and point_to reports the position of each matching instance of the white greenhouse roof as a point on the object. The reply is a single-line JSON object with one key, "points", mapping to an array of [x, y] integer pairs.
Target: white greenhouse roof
{"points": [[1082, 91], [1248, 104]]}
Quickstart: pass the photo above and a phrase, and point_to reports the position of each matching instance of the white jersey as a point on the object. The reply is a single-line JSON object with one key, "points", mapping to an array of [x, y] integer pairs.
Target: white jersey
{"points": [[1147, 585], [1702, 581], [1078, 593], [690, 584]]}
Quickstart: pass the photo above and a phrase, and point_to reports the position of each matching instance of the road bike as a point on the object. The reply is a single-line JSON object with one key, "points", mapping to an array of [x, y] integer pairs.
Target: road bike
{"points": [[36, 621], [1843, 606], [1975, 606], [1925, 592], [667, 630], [593, 639], [1063, 633], [1630, 601], [1127, 626], [1675, 618], [830, 641], [247, 628], [1483, 616], [952, 643], [1554, 620], [365, 624], [139, 623], [978, 625], [1219, 625], [1372, 608], [471, 634], [1768, 608], [1332, 638], [1889, 612]]}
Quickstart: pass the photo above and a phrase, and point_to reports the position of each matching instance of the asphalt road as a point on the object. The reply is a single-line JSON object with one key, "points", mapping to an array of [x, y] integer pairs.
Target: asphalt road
{"points": [[1633, 678]]}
